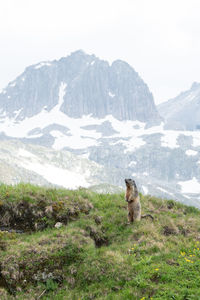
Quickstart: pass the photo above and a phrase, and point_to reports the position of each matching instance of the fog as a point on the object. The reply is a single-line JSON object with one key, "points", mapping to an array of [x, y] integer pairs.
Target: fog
{"points": [[159, 39]]}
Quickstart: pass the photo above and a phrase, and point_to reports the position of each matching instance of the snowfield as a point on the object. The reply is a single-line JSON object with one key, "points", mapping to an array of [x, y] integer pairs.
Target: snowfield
{"points": [[77, 137]]}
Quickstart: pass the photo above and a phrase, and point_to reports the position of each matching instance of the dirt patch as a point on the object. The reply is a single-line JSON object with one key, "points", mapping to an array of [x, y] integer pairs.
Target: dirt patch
{"points": [[169, 231], [155, 278], [183, 231], [98, 236], [172, 263]]}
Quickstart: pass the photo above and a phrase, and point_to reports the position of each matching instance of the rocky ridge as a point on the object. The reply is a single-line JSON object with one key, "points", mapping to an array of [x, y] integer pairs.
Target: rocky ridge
{"points": [[183, 111], [89, 86]]}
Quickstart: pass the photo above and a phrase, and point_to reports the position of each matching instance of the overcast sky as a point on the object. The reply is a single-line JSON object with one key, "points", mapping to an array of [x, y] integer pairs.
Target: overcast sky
{"points": [[160, 39]]}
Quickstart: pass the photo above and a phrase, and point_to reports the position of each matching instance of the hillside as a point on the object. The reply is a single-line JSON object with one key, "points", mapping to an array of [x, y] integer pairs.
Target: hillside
{"points": [[20, 162], [95, 254]]}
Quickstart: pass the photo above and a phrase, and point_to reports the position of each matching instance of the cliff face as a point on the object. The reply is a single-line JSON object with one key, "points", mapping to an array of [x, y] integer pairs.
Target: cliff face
{"points": [[92, 86]]}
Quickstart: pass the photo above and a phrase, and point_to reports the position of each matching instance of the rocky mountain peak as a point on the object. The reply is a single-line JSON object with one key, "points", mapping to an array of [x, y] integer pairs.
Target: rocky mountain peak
{"points": [[183, 111], [195, 85], [92, 87]]}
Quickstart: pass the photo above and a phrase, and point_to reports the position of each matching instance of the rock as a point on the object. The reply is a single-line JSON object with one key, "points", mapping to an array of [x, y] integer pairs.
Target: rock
{"points": [[198, 237], [98, 220], [169, 230], [58, 225]]}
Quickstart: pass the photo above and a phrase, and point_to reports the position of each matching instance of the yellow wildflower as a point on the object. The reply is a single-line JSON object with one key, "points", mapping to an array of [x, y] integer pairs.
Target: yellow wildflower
{"points": [[156, 269], [187, 260]]}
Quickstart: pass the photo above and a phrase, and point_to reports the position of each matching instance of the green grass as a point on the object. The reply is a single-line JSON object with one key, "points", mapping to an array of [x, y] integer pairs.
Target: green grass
{"points": [[96, 255]]}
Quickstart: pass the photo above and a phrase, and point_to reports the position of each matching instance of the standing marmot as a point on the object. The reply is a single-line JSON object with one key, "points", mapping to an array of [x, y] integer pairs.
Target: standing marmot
{"points": [[133, 199]]}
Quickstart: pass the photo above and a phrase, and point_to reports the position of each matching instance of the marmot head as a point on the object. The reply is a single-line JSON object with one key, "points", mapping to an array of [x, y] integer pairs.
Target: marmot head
{"points": [[130, 182]]}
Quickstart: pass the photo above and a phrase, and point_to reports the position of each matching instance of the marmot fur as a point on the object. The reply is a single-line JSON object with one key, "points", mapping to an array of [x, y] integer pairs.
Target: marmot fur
{"points": [[133, 199]]}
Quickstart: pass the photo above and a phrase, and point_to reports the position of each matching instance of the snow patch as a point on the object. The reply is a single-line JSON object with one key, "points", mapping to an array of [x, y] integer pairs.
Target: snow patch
{"points": [[125, 128], [169, 139], [3, 113], [164, 191], [74, 142], [42, 64], [92, 63], [61, 94], [145, 190], [196, 139], [134, 174], [145, 174], [85, 155], [132, 163], [110, 94], [130, 145], [12, 84], [24, 153], [134, 144], [59, 176], [17, 112], [57, 134], [190, 186], [191, 152]]}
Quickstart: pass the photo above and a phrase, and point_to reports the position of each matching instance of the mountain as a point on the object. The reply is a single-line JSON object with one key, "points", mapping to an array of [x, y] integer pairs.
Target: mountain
{"points": [[80, 84], [183, 112], [103, 113]]}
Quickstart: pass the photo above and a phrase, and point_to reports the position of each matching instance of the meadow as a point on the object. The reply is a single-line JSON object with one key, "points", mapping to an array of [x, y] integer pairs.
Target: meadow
{"points": [[94, 254]]}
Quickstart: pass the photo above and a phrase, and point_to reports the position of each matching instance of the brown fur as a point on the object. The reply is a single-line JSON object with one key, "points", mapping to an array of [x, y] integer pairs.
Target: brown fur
{"points": [[133, 199]]}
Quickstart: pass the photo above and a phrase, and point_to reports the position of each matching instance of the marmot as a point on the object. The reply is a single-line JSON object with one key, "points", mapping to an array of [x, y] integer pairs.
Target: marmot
{"points": [[133, 199]]}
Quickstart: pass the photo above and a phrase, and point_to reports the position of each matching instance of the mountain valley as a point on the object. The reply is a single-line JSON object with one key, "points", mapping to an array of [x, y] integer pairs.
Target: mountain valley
{"points": [[80, 108]]}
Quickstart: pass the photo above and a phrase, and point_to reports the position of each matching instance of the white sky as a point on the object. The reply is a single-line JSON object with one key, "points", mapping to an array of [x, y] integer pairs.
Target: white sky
{"points": [[159, 38]]}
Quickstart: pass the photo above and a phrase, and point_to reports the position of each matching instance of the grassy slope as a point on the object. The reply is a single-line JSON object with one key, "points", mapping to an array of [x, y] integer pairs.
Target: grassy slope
{"points": [[157, 259]]}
